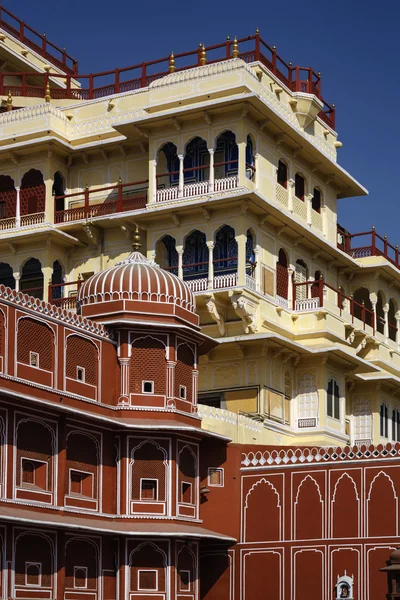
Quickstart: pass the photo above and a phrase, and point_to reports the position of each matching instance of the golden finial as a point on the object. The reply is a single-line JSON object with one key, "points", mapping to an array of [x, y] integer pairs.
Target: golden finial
{"points": [[171, 67], [203, 57], [9, 103], [47, 96], [235, 51], [136, 245]]}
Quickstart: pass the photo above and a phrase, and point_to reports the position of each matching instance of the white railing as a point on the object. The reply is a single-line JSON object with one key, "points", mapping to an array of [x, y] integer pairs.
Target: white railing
{"points": [[225, 416], [166, 194], [226, 183], [282, 194], [225, 281], [299, 207], [251, 283], [362, 442], [307, 304], [197, 285], [195, 189], [34, 219], [282, 301], [7, 224]]}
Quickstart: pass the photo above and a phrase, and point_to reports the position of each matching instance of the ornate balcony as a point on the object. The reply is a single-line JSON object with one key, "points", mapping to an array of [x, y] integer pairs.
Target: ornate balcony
{"points": [[368, 244]]}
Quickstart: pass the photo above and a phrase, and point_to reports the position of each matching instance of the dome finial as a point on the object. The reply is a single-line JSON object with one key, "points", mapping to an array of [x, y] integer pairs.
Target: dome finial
{"points": [[136, 245]]}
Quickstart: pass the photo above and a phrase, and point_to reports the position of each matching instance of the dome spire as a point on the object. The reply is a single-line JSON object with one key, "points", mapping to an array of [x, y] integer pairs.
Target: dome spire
{"points": [[136, 245]]}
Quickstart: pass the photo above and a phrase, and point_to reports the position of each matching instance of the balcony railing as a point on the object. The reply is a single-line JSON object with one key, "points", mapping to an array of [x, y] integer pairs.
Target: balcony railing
{"points": [[366, 244], [115, 199], [250, 49], [24, 221], [37, 41], [57, 293]]}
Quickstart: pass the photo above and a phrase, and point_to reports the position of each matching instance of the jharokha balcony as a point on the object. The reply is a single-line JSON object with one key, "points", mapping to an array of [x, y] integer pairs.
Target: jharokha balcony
{"points": [[71, 85]]}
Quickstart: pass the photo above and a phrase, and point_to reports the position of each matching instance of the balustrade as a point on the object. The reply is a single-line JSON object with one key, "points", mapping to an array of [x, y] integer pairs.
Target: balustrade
{"points": [[369, 243]]}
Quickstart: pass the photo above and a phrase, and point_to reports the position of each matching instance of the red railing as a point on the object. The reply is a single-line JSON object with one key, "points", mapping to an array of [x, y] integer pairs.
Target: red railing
{"points": [[37, 41], [70, 301], [369, 243], [305, 292], [97, 85], [118, 198]]}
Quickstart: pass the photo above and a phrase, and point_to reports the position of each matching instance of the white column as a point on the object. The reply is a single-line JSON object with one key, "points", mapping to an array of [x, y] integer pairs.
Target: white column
{"points": [[210, 283], [257, 269], [324, 221], [211, 180], [17, 277], [124, 395], [386, 325], [153, 181], [290, 194], [170, 378], [18, 209], [290, 287], [181, 176], [180, 251], [308, 200], [256, 174], [397, 317], [241, 240]]}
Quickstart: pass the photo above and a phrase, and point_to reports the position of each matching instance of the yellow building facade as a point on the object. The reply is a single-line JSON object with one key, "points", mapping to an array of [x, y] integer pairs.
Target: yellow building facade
{"points": [[228, 167]]}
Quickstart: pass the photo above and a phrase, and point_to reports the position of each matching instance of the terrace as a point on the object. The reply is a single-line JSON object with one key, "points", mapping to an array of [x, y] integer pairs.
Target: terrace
{"points": [[367, 244], [251, 49]]}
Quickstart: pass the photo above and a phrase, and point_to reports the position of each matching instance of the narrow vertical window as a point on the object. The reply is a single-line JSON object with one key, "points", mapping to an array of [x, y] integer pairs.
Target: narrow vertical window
{"points": [[282, 174], [316, 200], [299, 186]]}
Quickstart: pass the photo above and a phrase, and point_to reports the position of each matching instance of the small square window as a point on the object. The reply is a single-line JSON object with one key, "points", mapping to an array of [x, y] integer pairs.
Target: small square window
{"points": [[81, 483], [186, 492], [148, 387], [184, 581], [182, 392], [147, 580], [215, 477], [80, 374], [80, 577], [148, 489], [34, 359]]}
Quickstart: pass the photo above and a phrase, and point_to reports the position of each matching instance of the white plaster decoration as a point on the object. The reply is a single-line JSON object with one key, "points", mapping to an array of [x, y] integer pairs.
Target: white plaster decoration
{"points": [[225, 416], [198, 285], [306, 304], [225, 281]]}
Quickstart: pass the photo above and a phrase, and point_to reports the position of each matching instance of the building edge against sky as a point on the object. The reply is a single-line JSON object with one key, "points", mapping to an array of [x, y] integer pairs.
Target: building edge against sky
{"points": [[225, 160]]}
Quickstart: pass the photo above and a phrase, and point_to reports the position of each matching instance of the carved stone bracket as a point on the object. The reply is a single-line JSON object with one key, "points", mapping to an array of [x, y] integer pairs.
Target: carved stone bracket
{"points": [[247, 311], [93, 234], [216, 315]]}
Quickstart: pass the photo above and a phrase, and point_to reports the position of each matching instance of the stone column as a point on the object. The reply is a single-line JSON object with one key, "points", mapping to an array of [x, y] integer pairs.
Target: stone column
{"points": [[308, 200], [18, 208], [210, 246], [386, 325], [290, 184], [180, 251], [17, 277], [152, 181], [324, 221], [290, 287], [124, 390], [171, 364], [257, 268], [241, 261], [397, 317], [181, 176], [211, 180], [49, 202], [256, 178]]}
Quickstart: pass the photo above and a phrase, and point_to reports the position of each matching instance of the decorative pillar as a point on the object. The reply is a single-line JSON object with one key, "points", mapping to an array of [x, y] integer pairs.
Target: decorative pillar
{"points": [[324, 221], [386, 324], [18, 208], [256, 178], [308, 200], [17, 277], [194, 390], [181, 176], [290, 287], [124, 390], [211, 179], [152, 181], [241, 260], [180, 251], [290, 184], [257, 268], [171, 364], [49, 202], [241, 162], [210, 246]]}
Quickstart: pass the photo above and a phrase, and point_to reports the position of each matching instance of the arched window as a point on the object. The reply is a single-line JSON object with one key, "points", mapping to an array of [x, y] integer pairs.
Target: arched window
{"points": [[299, 186], [396, 425], [58, 190], [249, 157], [316, 201], [307, 401], [380, 315], [168, 171], [149, 473], [362, 422], [225, 251], [315, 287], [32, 278], [250, 254], [282, 281], [33, 573], [33, 193], [56, 279], [392, 320], [362, 301], [383, 420], [226, 152], [333, 399], [301, 277], [8, 197], [288, 395], [282, 174], [196, 158], [7, 276], [195, 256], [167, 255], [187, 492]]}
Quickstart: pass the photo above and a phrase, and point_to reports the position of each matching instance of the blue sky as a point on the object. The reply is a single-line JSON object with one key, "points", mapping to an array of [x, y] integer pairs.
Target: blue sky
{"points": [[352, 42]]}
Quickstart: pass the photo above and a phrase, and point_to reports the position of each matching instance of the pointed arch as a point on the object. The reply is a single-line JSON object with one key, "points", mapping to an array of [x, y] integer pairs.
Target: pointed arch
{"points": [[345, 508], [195, 255], [382, 507], [264, 496], [33, 193], [308, 510], [225, 250]]}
